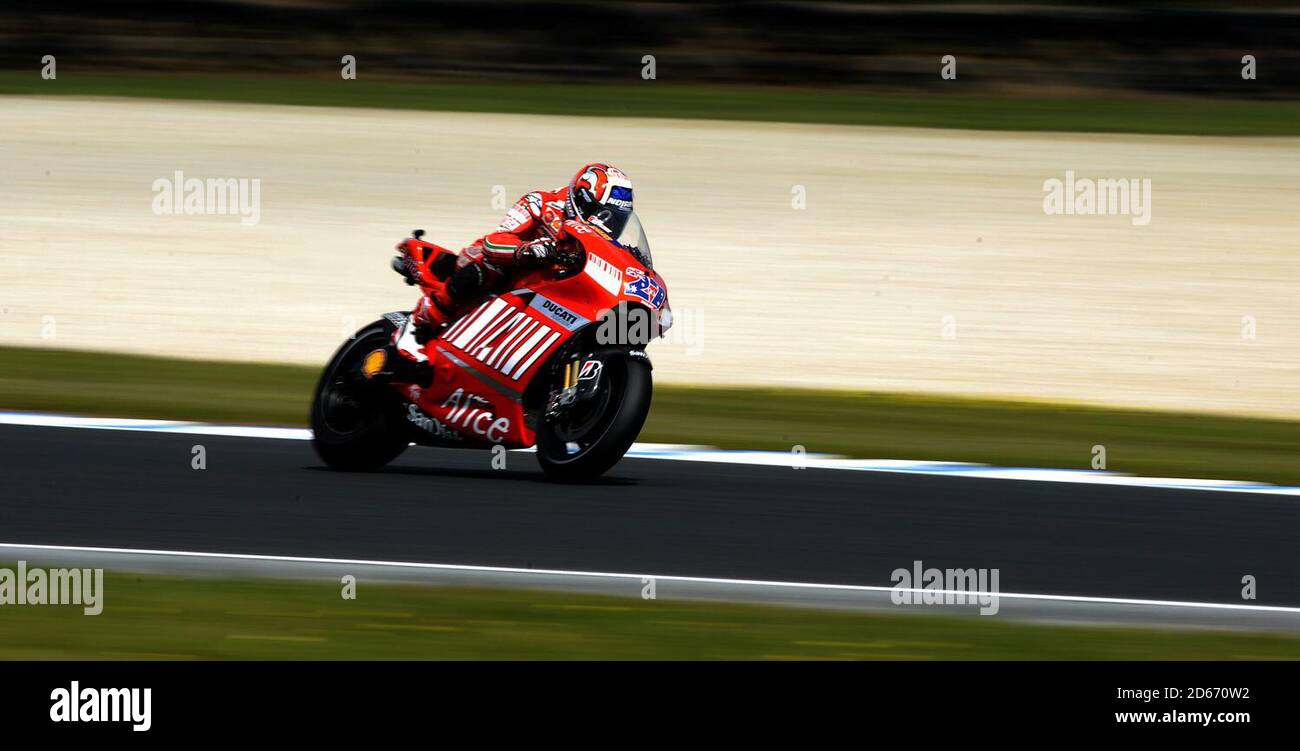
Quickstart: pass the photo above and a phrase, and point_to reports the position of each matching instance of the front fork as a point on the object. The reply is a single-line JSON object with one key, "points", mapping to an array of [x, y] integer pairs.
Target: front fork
{"points": [[580, 381]]}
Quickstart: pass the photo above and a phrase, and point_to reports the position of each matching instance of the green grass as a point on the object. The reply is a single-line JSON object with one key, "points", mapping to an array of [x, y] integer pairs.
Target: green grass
{"points": [[1000, 432], [113, 385], [639, 98], [863, 424], [155, 617]]}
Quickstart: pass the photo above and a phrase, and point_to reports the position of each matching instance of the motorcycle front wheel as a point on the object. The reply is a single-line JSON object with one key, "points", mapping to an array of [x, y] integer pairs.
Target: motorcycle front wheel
{"points": [[588, 439], [351, 421]]}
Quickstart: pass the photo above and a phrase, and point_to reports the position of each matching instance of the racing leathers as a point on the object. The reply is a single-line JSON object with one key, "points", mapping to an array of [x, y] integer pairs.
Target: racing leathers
{"points": [[523, 239]]}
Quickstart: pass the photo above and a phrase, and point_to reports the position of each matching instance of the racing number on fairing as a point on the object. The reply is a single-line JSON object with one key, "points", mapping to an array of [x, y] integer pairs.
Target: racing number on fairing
{"points": [[647, 289]]}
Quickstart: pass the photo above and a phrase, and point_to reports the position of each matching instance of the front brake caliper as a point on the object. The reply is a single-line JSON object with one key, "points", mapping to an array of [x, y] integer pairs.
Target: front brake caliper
{"points": [[581, 382], [564, 398]]}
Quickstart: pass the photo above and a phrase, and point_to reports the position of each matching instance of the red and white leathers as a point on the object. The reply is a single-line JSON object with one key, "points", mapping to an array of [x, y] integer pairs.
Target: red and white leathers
{"points": [[536, 216], [599, 195], [490, 262]]}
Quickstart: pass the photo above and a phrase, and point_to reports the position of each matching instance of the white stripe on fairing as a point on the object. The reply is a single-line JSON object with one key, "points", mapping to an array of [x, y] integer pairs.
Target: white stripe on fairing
{"points": [[481, 319], [493, 328], [512, 330], [459, 326], [526, 325], [687, 453], [522, 351], [450, 333], [639, 578], [506, 336], [465, 322], [484, 345], [523, 368]]}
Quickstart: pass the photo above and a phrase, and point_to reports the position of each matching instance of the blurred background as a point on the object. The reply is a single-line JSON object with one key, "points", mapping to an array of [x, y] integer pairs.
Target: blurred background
{"points": [[846, 200], [1012, 47], [870, 172]]}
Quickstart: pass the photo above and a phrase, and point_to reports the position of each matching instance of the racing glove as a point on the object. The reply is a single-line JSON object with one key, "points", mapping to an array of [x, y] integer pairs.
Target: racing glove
{"points": [[536, 251]]}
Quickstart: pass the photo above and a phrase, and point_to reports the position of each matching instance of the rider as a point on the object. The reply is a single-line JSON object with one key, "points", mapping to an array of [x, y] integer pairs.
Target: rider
{"points": [[598, 195]]}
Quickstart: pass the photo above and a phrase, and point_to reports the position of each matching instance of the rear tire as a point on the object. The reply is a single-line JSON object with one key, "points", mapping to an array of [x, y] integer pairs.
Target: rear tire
{"points": [[352, 422], [604, 435]]}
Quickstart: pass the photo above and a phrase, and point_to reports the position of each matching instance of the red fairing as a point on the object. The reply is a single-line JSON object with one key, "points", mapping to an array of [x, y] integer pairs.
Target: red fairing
{"points": [[425, 255], [484, 361]]}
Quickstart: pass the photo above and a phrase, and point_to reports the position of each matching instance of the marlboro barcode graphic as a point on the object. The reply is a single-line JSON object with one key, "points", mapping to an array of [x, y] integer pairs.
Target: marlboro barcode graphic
{"points": [[502, 337]]}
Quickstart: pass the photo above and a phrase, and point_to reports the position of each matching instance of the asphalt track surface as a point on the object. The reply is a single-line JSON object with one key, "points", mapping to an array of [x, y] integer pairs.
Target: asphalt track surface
{"points": [[273, 497]]}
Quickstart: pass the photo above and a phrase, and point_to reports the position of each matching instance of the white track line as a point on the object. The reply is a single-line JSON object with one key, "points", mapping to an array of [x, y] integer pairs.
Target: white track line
{"points": [[639, 577], [685, 453]]}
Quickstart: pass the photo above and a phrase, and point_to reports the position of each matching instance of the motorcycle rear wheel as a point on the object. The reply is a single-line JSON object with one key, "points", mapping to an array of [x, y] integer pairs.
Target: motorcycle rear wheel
{"points": [[589, 440], [352, 423]]}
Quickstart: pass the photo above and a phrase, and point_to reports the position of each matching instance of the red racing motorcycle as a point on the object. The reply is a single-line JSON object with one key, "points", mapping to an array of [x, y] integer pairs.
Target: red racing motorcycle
{"points": [[558, 363]]}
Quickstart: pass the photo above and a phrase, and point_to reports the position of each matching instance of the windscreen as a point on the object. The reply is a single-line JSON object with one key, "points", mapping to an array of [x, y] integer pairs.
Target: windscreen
{"points": [[634, 241]]}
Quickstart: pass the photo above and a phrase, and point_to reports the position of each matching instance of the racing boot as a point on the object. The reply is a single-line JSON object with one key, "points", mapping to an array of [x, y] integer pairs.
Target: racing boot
{"points": [[432, 314]]}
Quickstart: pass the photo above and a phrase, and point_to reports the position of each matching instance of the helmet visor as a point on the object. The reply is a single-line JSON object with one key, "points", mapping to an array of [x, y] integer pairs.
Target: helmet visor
{"points": [[612, 215], [611, 219]]}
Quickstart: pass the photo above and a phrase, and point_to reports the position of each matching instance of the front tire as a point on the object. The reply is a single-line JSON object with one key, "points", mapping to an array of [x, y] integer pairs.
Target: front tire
{"points": [[585, 443], [351, 418]]}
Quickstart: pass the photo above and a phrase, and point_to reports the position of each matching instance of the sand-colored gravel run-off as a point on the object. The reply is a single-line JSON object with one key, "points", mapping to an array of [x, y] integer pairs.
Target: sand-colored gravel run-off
{"points": [[923, 260]]}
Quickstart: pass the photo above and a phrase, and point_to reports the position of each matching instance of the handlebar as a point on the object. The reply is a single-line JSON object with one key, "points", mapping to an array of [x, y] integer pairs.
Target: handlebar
{"points": [[570, 254], [403, 270]]}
